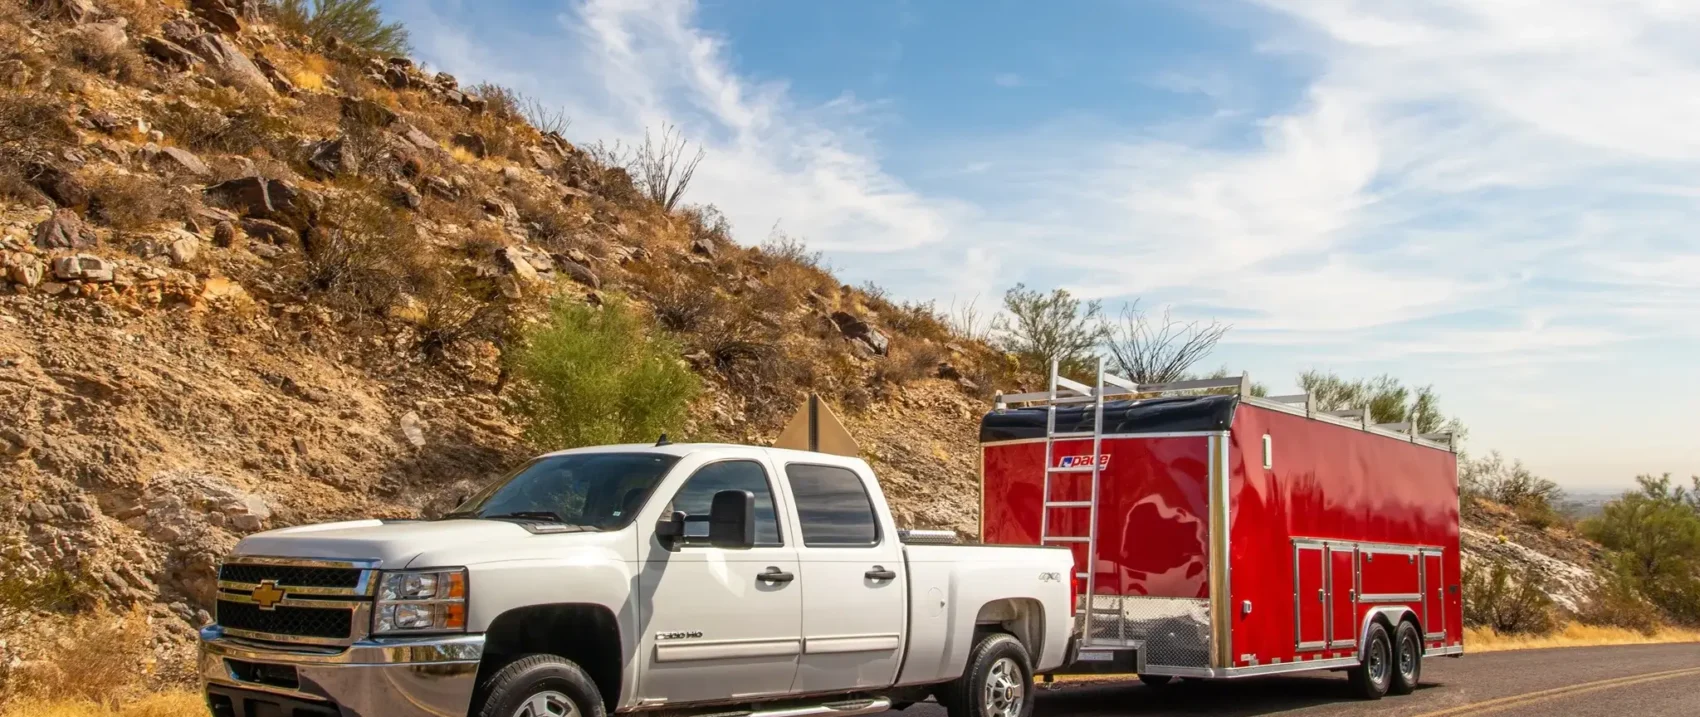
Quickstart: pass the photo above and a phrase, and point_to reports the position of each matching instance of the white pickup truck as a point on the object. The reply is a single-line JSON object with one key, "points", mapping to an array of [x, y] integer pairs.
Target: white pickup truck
{"points": [[686, 579]]}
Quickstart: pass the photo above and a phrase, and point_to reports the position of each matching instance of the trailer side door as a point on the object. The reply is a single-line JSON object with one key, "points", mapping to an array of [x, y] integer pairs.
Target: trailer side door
{"points": [[1311, 597], [1343, 596]]}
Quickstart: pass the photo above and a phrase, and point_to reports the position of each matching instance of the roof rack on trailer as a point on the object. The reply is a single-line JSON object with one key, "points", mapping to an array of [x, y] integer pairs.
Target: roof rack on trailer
{"points": [[1110, 386]]}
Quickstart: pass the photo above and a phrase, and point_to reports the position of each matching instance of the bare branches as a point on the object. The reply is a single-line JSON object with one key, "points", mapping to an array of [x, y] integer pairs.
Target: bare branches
{"points": [[665, 167], [1159, 351], [969, 321], [545, 118]]}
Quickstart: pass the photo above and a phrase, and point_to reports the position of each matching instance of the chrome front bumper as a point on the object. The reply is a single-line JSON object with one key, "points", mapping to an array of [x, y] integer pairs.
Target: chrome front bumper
{"points": [[412, 677]]}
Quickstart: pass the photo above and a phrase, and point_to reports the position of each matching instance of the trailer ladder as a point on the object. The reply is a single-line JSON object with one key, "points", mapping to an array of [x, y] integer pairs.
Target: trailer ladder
{"points": [[1065, 391]]}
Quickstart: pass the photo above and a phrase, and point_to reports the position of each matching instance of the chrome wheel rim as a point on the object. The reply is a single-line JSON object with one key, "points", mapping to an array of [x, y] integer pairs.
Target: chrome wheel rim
{"points": [[1378, 661], [1005, 689], [1407, 658], [547, 704]]}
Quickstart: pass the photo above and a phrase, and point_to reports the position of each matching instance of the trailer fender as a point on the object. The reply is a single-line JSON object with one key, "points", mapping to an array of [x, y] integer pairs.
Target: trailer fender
{"points": [[1390, 615]]}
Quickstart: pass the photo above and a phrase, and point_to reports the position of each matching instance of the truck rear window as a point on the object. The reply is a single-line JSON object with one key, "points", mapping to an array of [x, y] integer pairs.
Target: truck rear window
{"points": [[833, 506]]}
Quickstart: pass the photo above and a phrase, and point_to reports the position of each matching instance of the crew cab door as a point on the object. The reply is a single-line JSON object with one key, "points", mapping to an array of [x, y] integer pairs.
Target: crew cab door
{"points": [[717, 623], [853, 580]]}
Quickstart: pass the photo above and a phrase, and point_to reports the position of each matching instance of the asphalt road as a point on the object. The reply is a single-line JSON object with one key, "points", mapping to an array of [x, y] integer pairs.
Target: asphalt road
{"points": [[1635, 681]]}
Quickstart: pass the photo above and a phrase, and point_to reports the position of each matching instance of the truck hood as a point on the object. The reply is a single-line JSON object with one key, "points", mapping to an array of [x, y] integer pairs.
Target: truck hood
{"points": [[394, 544]]}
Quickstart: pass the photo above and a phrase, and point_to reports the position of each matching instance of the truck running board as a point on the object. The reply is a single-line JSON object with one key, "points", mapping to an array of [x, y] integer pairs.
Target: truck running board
{"points": [[841, 708]]}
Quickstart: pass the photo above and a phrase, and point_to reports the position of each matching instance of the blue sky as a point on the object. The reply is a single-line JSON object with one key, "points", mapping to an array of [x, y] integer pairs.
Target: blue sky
{"points": [[1496, 197]]}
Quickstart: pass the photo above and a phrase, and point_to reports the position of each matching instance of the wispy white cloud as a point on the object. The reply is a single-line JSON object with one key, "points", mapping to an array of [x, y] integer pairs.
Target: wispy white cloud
{"points": [[623, 66]]}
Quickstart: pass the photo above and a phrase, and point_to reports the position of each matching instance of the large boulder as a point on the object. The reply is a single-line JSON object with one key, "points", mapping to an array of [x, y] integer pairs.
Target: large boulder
{"points": [[217, 14], [328, 158], [181, 160], [83, 267], [263, 198], [231, 64], [60, 186], [169, 52], [64, 230], [861, 332]]}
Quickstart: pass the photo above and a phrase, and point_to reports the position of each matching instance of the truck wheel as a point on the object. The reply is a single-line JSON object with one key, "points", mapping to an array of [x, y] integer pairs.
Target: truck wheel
{"points": [[541, 686], [997, 683], [1156, 680], [1371, 679], [1407, 659]]}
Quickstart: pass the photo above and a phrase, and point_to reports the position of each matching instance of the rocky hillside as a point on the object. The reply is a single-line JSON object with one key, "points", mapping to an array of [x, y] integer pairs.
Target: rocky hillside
{"points": [[250, 280]]}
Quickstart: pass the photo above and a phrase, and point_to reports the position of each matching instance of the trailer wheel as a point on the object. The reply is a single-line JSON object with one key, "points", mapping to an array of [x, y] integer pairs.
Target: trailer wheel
{"points": [[997, 683], [1156, 680], [1407, 659], [1372, 678], [541, 686]]}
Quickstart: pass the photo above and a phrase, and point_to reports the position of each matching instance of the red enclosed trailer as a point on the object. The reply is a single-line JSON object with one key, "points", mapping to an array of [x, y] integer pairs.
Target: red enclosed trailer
{"points": [[1224, 535]]}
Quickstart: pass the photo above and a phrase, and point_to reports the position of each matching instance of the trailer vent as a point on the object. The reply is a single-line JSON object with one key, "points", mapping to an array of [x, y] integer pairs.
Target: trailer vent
{"points": [[1268, 452]]}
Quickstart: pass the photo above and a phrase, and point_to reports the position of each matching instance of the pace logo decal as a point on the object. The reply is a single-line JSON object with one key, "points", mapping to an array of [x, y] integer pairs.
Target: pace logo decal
{"points": [[1082, 461]]}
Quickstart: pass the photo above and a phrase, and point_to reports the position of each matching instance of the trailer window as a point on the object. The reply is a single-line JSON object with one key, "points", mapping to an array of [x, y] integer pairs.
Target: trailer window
{"points": [[832, 506]]}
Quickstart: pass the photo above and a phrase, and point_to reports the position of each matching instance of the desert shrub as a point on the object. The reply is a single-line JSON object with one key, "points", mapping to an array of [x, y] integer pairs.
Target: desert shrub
{"points": [[1617, 602], [682, 308], [547, 222], [920, 319], [1533, 498], [1040, 328], [1655, 532], [452, 316], [131, 201], [779, 246], [28, 588], [31, 126], [357, 22], [364, 258], [1507, 599], [910, 360], [101, 53], [588, 377], [101, 657]]}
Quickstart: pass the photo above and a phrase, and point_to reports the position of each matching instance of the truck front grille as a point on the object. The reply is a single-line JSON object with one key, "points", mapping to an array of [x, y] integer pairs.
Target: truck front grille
{"points": [[292, 575], [322, 623], [321, 602]]}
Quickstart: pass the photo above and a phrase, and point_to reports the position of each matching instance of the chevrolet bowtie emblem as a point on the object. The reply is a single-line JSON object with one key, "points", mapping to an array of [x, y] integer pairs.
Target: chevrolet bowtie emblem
{"points": [[267, 595]]}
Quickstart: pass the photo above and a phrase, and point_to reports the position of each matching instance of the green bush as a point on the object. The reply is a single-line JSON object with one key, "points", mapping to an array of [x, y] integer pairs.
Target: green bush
{"points": [[1617, 602], [1507, 600], [592, 377], [1655, 531], [356, 22]]}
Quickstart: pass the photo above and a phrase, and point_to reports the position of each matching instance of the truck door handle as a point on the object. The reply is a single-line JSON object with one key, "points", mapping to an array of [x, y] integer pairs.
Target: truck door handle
{"points": [[775, 575], [880, 573]]}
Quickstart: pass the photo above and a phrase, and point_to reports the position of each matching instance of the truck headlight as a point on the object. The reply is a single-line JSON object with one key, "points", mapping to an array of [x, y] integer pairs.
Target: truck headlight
{"points": [[421, 601]]}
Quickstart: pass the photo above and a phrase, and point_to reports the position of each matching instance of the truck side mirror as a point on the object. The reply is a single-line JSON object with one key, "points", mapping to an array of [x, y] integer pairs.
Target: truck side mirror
{"points": [[670, 529], [732, 520]]}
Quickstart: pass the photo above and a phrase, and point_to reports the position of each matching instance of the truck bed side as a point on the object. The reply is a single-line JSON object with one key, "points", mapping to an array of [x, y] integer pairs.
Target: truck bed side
{"points": [[954, 589]]}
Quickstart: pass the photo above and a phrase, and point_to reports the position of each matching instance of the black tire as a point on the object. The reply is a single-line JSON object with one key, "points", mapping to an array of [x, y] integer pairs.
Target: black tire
{"points": [[1372, 678], [1156, 680], [1407, 659], [998, 680], [540, 683]]}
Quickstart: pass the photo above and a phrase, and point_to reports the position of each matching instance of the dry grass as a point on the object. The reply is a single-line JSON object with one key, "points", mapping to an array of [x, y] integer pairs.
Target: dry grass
{"points": [[165, 704], [1573, 635], [100, 657]]}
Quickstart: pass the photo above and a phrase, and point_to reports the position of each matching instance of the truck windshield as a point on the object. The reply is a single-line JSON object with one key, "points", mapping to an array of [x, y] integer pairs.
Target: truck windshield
{"points": [[602, 491]]}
